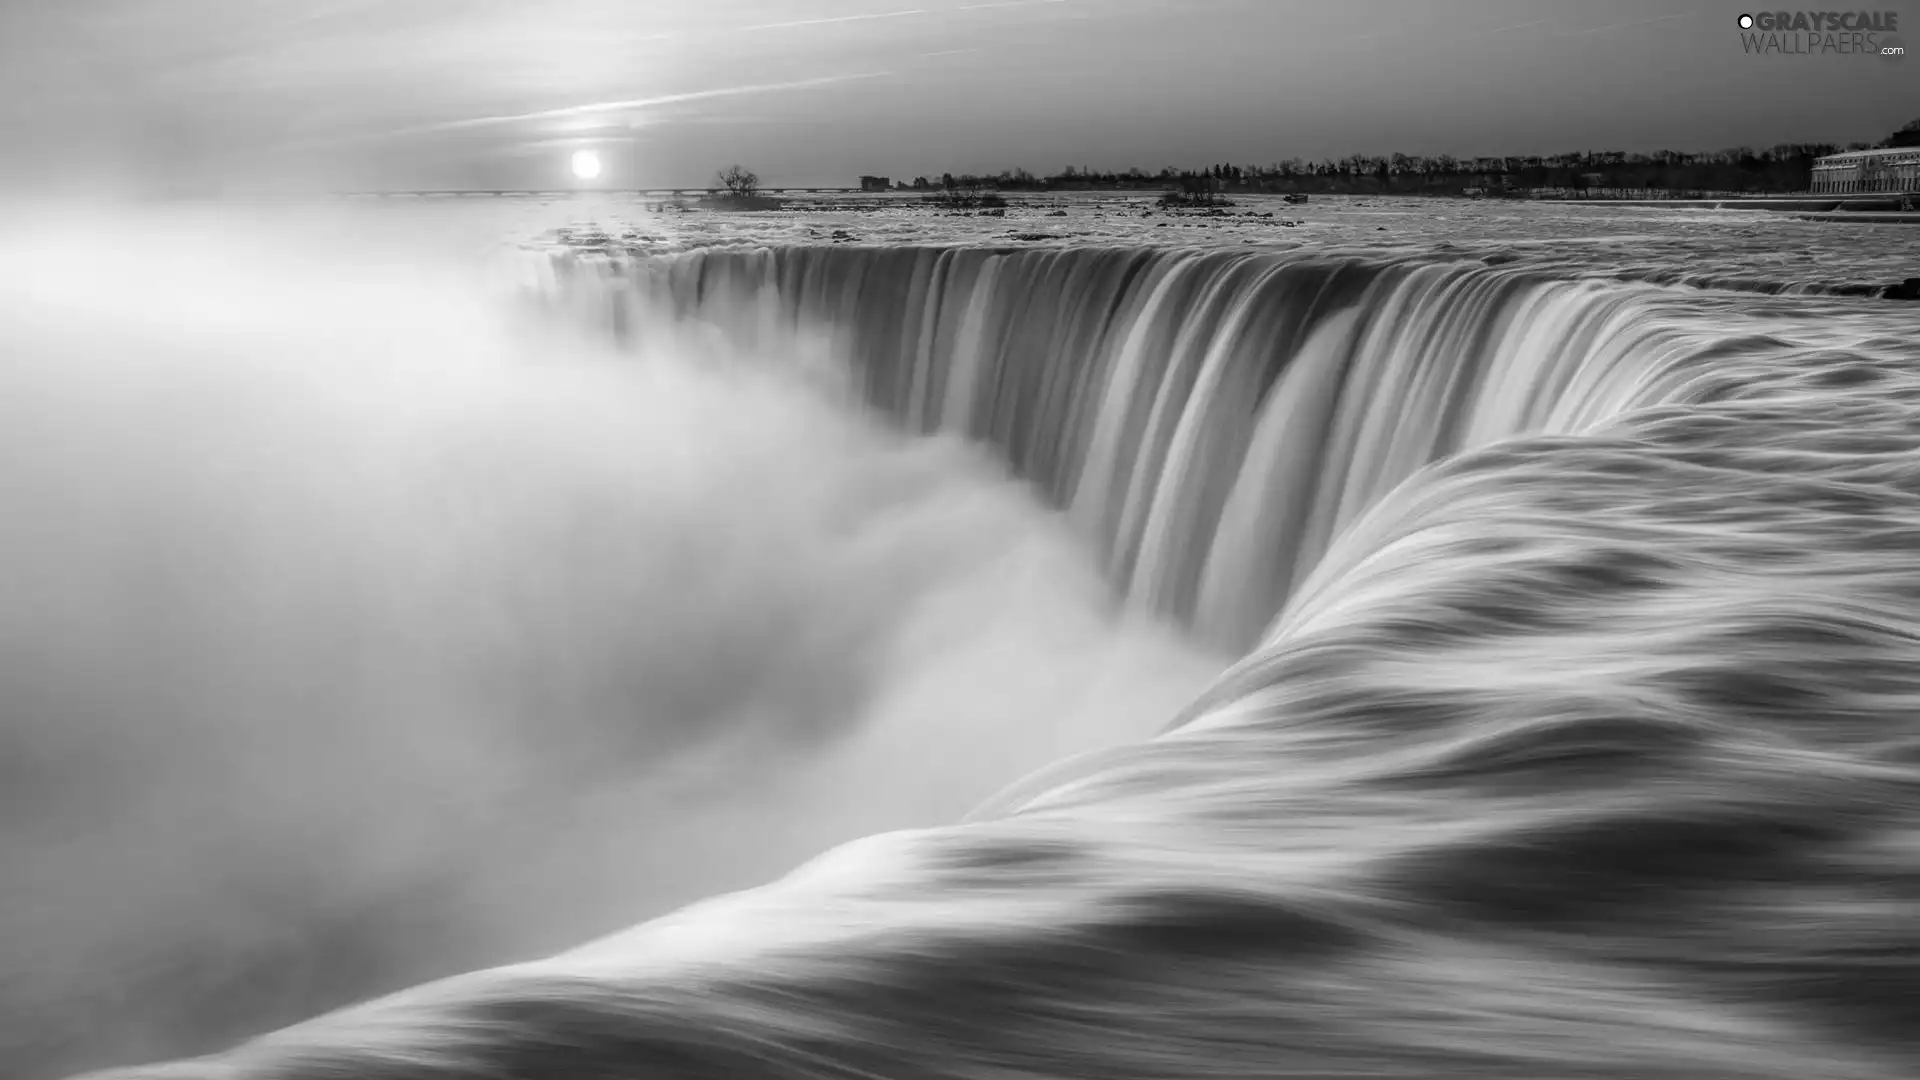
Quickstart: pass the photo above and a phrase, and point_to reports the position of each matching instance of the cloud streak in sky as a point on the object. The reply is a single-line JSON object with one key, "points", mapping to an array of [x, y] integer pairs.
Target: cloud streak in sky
{"points": [[901, 14], [836, 19], [644, 103], [597, 107], [1637, 22], [590, 109]]}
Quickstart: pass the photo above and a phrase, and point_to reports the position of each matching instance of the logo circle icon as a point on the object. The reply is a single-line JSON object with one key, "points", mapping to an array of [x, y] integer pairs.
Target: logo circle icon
{"points": [[1891, 48], [1746, 22]]}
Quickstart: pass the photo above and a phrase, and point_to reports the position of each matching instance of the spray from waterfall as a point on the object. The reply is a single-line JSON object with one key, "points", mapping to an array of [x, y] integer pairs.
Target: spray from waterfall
{"points": [[361, 628]]}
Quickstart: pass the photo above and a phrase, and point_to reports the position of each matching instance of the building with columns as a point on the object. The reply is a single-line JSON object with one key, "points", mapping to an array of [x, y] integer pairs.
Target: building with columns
{"points": [[1894, 170]]}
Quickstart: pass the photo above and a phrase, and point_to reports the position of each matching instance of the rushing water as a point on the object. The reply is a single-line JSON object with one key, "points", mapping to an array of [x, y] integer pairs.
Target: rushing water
{"points": [[364, 631]]}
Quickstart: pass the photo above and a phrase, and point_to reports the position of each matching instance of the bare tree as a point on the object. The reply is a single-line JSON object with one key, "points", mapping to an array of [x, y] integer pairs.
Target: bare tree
{"points": [[1199, 189], [965, 193], [739, 183]]}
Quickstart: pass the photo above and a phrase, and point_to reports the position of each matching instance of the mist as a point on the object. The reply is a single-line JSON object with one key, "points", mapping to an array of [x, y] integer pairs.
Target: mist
{"points": [[363, 625]]}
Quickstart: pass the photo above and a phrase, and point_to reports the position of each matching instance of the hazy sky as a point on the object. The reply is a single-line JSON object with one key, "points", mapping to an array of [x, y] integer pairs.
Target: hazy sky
{"points": [[457, 93]]}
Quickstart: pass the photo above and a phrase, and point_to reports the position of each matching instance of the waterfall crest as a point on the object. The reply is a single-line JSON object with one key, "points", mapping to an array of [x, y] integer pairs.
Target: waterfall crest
{"points": [[1210, 419]]}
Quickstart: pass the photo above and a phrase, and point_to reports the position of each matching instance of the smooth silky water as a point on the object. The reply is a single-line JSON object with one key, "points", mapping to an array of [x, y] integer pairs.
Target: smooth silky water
{"points": [[1323, 655]]}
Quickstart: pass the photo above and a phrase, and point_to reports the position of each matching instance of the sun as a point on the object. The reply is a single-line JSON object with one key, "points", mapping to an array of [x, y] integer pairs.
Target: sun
{"points": [[586, 164]]}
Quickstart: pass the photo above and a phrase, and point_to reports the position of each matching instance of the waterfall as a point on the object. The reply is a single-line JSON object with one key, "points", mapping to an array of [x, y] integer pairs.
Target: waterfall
{"points": [[1211, 420]]}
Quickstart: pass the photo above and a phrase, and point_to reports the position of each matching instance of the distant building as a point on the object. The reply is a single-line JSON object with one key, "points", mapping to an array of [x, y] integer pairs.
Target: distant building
{"points": [[875, 183], [1892, 170]]}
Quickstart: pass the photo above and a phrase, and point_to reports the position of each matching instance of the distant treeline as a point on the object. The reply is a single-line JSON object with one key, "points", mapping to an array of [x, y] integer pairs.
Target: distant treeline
{"points": [[1784, 168]]}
